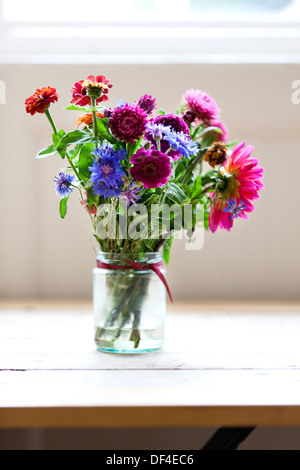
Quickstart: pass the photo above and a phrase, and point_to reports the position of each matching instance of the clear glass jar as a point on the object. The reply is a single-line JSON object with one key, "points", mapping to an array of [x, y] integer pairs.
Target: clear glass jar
{"points": [[129, 304]]}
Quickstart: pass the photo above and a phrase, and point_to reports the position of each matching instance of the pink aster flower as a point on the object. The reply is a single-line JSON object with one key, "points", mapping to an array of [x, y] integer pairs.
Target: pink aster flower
{"points": [[151, 167], [201, 104], [128, 122], [242, 179]]}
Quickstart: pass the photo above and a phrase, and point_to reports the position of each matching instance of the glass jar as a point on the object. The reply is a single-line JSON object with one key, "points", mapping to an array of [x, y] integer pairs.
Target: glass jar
{"points": [[129, 303]]}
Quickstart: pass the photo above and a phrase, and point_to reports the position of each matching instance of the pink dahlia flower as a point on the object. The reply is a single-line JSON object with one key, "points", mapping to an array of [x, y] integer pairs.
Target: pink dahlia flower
{"points": [[151, 167], [128, 122], [234, 196], [201, 104]]}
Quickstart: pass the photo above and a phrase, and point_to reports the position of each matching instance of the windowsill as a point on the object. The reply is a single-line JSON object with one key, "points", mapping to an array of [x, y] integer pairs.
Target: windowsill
{"points": [[128, 59]]}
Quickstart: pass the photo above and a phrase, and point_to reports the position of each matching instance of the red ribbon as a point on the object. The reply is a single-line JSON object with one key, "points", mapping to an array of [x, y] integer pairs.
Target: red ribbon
{"points": [[155, 267]]}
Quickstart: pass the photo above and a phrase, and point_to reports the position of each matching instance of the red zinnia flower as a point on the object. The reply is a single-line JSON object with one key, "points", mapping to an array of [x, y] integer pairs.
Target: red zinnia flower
{"points": [[79, 90], [40, 100]]}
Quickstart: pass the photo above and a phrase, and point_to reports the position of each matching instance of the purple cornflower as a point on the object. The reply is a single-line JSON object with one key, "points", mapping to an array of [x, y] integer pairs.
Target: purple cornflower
{"points": [[106, 171], [174, 123], [157, 131], [235, 208], [181, 143], [64, 184], [130, 195]]}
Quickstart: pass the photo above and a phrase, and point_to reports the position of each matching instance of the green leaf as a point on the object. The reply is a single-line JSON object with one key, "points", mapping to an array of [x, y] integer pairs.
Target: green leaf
{"points": [[63, 207], [167, 249], [56, 137], [102, 131], [232, 144], [197, 188], [84, 161], [175, 193], [210, 129], [75, 137], [75, 151], [85, 109], [46, 152]]}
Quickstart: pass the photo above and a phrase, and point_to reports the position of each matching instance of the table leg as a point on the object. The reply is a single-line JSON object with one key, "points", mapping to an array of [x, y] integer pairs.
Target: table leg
{"points": [[227, 438]]}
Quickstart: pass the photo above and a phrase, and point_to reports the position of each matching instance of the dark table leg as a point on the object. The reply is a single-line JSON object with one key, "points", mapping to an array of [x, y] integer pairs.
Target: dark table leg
{"points": [[227, 438]]}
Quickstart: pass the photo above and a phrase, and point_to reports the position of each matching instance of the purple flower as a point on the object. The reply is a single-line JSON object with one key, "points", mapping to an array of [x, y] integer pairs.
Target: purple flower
{"points": [[64, 184], [147, 103], [180, 143], [106, 171], [157, 131], [128, 122], [174, 123], [130, 195], [234, 208], [151, 167]]}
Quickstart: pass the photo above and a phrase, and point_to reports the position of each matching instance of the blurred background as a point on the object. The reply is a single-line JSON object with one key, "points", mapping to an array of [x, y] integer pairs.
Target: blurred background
{"points": [[245, 54]]}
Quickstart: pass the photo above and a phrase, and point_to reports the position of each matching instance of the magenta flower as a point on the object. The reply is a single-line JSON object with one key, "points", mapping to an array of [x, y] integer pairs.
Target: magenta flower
{"points": [[151, 167], [200, 104], [147, 103], [242, 179], [128, 122]]}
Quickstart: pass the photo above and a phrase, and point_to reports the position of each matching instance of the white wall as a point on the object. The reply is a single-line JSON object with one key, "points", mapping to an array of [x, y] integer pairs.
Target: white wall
{"points": [[45, 257]]}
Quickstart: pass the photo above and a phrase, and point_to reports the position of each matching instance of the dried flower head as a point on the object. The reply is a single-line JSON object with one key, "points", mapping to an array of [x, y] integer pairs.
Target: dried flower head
{"points": [[216, 155]]}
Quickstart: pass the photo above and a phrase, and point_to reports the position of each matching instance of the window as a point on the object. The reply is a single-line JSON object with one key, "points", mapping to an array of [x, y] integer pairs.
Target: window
{"points": [[150, 30]]}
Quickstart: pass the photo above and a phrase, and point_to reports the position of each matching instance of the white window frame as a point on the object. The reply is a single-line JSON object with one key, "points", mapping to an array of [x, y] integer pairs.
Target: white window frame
{"points": [[209, 41]]}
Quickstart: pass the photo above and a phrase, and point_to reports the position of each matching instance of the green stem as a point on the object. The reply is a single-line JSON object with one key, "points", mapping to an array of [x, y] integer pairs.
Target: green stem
{"points": [[48, 115], [95, 129], [192, 166], [84, 205]]}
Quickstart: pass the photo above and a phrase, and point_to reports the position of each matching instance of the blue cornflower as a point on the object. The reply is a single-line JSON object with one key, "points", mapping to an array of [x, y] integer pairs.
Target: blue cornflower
{"points": [[108, 150], [64, 184], [235, 208], [180, 142], [157, 131], [121, 103], [106, 171]]}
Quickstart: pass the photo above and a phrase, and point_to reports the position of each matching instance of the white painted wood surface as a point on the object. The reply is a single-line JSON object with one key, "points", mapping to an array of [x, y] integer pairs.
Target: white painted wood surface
{"points": [[221, 365]]}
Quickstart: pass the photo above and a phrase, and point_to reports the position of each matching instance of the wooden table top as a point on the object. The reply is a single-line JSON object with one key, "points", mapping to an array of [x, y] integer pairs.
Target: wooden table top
{"points": [[222, 365]]}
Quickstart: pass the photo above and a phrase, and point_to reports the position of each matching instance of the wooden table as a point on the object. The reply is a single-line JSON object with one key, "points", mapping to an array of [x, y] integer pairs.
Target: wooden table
{"points": [[223, 365]]}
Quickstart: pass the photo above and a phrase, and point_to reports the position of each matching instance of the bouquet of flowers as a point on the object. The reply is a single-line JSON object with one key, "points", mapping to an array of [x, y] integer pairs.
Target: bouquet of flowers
{"points": [[132, 162]]}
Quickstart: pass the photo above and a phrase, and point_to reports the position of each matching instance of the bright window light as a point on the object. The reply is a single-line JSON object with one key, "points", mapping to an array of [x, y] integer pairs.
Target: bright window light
{"points": [[153, 10]]}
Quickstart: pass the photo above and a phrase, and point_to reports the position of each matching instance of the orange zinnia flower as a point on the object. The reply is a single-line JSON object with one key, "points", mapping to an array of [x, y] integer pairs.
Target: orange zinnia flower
{"points": [[40, 100], [87, 119]]}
